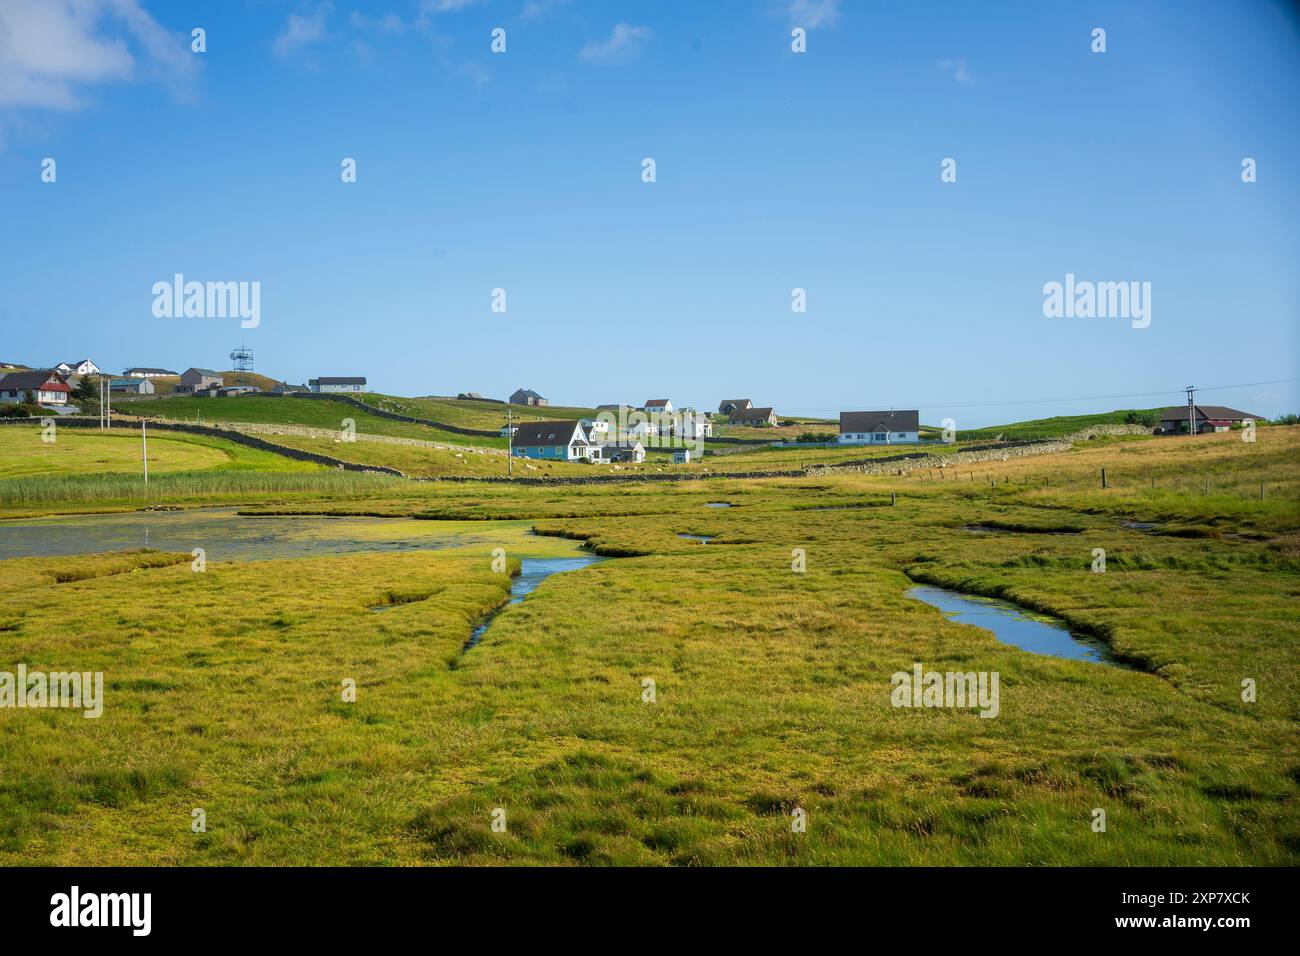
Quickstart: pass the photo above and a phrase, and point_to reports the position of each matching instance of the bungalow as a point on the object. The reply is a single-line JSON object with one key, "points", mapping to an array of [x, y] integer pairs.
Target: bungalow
{"points": [[79, 367], [131, 386], [682, 456], [556, 441], [752, 416], [199, 378], [632, 451], [1209, 418], [149, 373], [338, 383], [893, 427], [526, 396], [508, 431], [46, 387], [659, 405], [729, 405], [284, 388]]}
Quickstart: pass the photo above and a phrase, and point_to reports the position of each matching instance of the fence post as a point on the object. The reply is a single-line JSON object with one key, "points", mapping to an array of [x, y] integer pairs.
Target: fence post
{"points": [[1261, 491], [893, 497], [1103, 479]]}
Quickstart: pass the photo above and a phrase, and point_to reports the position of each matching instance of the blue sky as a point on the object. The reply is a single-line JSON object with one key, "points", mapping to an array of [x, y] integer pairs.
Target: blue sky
{"points": [[775, 170]]}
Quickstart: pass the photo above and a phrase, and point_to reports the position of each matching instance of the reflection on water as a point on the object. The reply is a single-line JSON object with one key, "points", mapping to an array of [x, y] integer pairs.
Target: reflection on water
{"points": [[1011, 624], [533, 572]]}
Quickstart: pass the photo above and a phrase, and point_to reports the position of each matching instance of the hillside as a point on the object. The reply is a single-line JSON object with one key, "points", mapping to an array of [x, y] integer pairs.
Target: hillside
{"points": [[1061, 425]]}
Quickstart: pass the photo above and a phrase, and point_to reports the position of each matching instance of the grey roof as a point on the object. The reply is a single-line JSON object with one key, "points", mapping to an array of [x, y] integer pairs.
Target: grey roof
{"points": [[750, 414], [1215, 412], [340, 380], [29, 381], [894, 420], [205, 371], [545, 433], [525, 392], [156, 371]]}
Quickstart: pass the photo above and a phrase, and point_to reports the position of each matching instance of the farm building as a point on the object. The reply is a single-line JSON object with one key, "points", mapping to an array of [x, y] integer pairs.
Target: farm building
{"points": [[626, 451], [1209, 418], [47, 387], [752, 416], [132, 386], [194, 379], [139, 372], [338, 383], [555, 441], [894, 427], [729, 405], [526, 396], [682, 456]]}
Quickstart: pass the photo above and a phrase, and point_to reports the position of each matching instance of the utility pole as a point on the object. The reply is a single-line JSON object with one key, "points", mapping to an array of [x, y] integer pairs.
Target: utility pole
{"points": [[510, 443], [144, 448], [1191, 409]]}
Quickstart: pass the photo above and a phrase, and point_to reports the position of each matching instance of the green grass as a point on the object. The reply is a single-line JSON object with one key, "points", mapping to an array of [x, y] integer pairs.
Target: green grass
{"points": [[772, 687], [23, 453], [1056, 427]]}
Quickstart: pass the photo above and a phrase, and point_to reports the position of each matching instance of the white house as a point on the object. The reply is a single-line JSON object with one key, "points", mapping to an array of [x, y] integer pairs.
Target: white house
{"points": [[893, 427], [139, 372], [659, 405], [79, 367], [682, 456], [554, 441], [696, 424], [343, 383]]}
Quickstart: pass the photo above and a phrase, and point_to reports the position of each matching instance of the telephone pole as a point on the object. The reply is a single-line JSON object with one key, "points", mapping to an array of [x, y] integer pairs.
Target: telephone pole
{"points": [[1191, 409], [510, 443], [144, 449]]}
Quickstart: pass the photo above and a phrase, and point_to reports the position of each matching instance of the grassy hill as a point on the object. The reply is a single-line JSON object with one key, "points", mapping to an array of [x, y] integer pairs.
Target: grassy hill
{"points": [[1061, 425]]}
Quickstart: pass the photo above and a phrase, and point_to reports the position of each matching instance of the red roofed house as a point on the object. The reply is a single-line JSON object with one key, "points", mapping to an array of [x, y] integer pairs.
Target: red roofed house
{"points": [[46, 387]]}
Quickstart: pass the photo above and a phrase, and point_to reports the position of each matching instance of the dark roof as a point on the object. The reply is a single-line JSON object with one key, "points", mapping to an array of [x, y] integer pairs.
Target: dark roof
{"points": [[205, 371], [656, 401], [750, 414], [340, 380], [1218, 412], [894, 420], [30, 381], [525, 392], [156, 371], [545, 433]]}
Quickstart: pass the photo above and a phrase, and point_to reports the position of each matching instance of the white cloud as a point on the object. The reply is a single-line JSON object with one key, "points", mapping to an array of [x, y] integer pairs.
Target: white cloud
{"points": [[957, 69], [539, 8], [302, 30], [51, 49], [388, 23], [623, 42], [445, 6], [812, 13]]}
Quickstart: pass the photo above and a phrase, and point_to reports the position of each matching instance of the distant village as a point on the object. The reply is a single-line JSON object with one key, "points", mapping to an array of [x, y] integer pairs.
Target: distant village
{"points": [[618, 432]]}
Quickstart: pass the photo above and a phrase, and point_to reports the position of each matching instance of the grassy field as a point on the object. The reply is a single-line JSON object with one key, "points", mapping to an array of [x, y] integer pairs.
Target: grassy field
{"points": [[1059, 426], [23, 453], [772, 688]]}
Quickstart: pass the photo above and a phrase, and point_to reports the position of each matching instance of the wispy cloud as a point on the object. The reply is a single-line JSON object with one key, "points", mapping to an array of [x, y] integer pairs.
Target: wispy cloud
{"points": [[957, 70], [388, 23], [51, 51], [302, 30], [533, 9], [623, 43], [812, 13]]}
